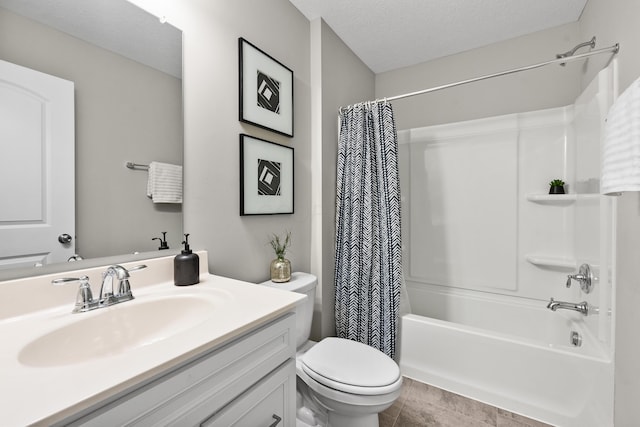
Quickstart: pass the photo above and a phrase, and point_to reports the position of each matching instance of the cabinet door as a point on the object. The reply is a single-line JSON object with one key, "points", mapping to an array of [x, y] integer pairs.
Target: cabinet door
{"points": [[270, 403]]}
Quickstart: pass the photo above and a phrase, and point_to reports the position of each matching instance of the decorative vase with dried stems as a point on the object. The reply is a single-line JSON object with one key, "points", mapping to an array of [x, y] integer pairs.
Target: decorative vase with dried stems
{"points": [[280, 267]]}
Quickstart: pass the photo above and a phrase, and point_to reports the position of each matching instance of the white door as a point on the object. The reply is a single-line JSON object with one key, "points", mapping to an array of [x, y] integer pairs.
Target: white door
{"points": [[37, 197]]}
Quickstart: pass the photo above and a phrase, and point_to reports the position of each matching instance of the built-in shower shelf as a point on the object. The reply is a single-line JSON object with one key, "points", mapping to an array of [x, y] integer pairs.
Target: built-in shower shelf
{"points": [[559, 198], [557, 262]]}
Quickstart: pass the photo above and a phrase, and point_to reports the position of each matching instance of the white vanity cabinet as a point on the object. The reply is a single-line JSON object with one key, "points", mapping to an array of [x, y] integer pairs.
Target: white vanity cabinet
{"points": [[249, 381]]}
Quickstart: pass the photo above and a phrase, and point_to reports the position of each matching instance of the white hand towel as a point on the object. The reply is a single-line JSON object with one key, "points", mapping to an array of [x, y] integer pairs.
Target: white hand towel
{"points": [[165, 183], [621, 147]]}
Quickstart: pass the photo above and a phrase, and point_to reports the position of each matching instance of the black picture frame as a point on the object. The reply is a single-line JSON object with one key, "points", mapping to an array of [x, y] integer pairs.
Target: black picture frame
{"points": [[266, 177], [266, 90]]}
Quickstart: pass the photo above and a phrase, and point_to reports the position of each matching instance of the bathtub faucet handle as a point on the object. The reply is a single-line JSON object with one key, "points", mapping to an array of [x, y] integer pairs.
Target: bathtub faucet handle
{"points": [[584, 277], [577, 277]]}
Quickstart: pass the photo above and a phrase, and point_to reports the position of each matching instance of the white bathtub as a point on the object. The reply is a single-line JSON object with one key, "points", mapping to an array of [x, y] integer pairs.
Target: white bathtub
{"points": [[508, 353]]}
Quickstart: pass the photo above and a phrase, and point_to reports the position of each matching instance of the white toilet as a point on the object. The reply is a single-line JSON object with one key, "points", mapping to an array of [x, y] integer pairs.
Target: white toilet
{"points": [[341, 383]]}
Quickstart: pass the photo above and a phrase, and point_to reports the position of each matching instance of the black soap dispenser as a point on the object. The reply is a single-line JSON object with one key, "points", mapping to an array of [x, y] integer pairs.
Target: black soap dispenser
{"points": [[163, 241], [186, 266]]}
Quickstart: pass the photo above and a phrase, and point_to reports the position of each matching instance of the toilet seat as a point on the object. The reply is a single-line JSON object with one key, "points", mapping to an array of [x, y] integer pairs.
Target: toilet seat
{"points": [[351, 367]]}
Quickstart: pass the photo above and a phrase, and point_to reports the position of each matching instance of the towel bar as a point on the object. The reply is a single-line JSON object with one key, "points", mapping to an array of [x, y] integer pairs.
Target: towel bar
{"points": [[137, 166]]}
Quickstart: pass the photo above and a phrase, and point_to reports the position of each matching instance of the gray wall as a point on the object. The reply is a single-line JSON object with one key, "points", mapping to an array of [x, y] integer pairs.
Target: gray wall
{"points": [[617, 22], [530, 90], [124, 111], [238, 246], [345, 80]]}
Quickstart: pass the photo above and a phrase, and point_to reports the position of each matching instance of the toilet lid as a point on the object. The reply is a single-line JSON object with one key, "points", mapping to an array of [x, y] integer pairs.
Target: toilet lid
{"points": [[351, 366]]}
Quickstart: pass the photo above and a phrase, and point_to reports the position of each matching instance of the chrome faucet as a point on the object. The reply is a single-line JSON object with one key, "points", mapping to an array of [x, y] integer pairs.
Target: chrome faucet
{"points": [[115, 288], [110, 294], [581, 307]]}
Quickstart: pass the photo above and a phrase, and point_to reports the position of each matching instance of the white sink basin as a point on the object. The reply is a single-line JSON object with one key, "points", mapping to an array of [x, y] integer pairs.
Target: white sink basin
{"points": [[110, 331]]}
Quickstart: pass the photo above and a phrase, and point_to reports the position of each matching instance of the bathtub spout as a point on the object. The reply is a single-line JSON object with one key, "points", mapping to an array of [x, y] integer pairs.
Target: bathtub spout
{"points": [[581, 307]]}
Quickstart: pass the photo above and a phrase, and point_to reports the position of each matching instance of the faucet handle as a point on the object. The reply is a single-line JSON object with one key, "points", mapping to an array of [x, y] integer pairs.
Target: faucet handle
{"points": [[577, 277], [124, 290], [584, 277], [84, 297], [136, 268]]}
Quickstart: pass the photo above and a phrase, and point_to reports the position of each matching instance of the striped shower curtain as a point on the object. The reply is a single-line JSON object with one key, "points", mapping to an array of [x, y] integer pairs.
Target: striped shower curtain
{"points": [[368, 272]]}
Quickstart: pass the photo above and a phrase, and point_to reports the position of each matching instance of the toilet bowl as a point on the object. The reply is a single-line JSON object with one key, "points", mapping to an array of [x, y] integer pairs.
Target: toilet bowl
{"points": [[341, 383]]}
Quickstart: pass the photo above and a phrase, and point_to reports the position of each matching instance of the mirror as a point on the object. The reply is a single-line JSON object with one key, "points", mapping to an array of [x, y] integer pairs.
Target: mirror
{"points": [[126, 68]]}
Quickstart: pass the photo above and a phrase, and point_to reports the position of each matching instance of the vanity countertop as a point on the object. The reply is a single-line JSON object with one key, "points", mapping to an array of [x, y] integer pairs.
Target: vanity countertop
{"points": [[42, 387]]}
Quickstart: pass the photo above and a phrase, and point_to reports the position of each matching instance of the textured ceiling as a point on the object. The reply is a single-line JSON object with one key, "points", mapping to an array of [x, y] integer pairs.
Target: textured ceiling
{"points": [[116, 25], [385, 34], [390, 34]]}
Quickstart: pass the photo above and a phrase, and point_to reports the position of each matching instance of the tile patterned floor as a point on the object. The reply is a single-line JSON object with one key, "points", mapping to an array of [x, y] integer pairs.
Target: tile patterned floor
{"points": [[421, 405]]}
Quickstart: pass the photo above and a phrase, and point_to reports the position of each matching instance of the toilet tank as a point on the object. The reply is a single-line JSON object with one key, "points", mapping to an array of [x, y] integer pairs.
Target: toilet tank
{"points": [[302, 283]]}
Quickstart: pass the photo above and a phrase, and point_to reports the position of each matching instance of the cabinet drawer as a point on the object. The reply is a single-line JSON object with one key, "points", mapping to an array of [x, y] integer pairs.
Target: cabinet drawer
{"points": [[269, 403], [189, 394]]}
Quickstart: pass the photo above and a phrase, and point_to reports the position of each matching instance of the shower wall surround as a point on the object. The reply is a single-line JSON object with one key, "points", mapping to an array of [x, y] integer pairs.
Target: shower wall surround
{"points": [[478, 217]]}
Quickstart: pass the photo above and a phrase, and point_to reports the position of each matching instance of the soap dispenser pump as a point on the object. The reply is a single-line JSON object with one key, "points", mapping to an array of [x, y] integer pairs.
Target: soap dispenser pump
{"points": [[186, 266]]}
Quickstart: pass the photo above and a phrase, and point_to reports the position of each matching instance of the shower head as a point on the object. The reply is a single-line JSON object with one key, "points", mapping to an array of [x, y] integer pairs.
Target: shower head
{"points": [[591, 43]]}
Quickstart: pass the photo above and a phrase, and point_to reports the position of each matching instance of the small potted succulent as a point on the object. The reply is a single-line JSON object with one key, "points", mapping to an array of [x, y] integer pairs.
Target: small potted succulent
{"points": [[280, 267], [556, 186]]}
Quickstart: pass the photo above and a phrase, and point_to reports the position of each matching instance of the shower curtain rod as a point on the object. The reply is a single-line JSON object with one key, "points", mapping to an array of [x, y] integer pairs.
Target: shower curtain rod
{"points": [[612, 49]]}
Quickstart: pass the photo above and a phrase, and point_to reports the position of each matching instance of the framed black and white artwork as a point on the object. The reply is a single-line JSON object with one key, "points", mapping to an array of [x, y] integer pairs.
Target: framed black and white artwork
{"points": [[266, 90], [266, 177]]}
